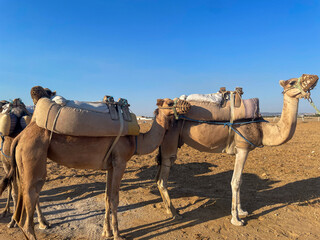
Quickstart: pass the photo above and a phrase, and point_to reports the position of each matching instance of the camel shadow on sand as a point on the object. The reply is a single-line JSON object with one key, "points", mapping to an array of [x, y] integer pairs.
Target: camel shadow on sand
{"points": [[212, 192]]}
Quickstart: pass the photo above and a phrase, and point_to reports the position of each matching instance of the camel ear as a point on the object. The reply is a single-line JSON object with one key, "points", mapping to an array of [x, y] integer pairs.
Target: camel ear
{"points": [[160, 102], [282, 83], [53, 93]]}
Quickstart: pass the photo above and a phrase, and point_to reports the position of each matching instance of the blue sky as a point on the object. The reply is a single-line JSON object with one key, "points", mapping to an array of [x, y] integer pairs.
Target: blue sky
{"points": [[144, 49]]}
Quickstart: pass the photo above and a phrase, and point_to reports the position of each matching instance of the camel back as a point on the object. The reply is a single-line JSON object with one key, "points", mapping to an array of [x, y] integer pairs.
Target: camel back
{"points": [[208, 111], [9, 123], [81, 122]]}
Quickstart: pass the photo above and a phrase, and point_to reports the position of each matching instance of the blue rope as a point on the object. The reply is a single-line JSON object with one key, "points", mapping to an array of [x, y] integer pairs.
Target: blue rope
{"points": [[229, 124], [1, 148]]}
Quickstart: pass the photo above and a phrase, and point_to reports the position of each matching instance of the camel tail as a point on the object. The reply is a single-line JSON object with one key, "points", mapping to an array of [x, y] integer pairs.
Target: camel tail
{"points": [[10, 175]]}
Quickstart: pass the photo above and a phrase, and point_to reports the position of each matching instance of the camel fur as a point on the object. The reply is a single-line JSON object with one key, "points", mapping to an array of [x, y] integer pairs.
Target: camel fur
{"points": [[18, 109], [32, 147], [214, 138]]}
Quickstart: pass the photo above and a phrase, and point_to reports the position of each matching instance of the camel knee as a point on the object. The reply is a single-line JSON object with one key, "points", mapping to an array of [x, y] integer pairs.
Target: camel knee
{"points": [[235, 184], [162, 185]]}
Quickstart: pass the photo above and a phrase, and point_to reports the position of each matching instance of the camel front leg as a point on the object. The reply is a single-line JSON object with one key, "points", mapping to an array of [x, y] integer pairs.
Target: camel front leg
{"points": [[106, 226], [236, 209], [43, 223], [14, 193], [162, 182], [7, 207]]}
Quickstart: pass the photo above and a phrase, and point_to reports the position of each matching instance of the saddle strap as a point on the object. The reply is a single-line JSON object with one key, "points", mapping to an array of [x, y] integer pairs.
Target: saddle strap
{"points": [[117, 138], [232, 99]]}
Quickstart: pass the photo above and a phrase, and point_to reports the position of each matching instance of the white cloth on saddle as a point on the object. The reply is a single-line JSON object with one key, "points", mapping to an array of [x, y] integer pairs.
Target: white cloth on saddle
{"points": [[212, 97], [91, 106]]}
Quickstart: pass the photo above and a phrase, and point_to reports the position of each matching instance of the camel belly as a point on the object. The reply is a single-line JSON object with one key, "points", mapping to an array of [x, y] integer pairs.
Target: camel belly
{"points": [[205, 137], [82, 153]]}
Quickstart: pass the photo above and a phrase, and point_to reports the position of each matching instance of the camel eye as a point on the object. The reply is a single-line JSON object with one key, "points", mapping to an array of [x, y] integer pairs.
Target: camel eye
{"points": [[170, 104], [292, 83]]}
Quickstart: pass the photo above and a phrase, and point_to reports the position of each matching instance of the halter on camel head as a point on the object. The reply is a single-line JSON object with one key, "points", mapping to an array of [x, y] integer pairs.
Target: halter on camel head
{"points": [[305, 84], [179, 107]]}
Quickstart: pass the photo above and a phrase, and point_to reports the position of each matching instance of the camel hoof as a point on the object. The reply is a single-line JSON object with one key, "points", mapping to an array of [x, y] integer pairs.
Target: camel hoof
{"points": [[243, 213], [237, 222], [44, 226], [107, 234], [119, 238], [177, 217], [12, 224]]}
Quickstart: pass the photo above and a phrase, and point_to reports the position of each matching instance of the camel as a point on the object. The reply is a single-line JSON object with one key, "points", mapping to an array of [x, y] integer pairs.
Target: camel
{"points": [[18, 108], [32, 147], [2, 103], [213, 138]]}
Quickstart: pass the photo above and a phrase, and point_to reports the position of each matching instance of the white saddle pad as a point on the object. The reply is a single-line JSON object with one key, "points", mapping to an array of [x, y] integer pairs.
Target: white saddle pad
{"points": [[92, 106], [212, 97]]}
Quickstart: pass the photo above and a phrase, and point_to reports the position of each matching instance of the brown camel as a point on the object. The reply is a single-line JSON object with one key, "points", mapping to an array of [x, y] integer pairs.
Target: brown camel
{"points": [[19, 109], [213, 138], [32, 147]]}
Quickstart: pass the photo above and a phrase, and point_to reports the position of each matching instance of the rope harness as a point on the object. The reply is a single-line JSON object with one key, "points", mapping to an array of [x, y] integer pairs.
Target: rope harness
{"points": [[313, 105], [228, 124], [306, 91], [1, 148], [182, 106]]}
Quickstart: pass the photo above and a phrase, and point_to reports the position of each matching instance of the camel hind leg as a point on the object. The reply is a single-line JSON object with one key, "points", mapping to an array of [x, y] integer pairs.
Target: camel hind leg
{"points": [[106, 226], [32, 174]]}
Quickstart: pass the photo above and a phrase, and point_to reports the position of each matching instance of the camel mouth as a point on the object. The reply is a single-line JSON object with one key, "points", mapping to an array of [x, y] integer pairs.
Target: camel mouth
{"points": [[308, 82], [182, 106]]}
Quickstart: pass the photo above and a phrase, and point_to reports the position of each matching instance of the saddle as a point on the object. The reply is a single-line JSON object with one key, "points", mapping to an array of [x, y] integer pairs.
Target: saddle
{"points": [[85, 120], [231, 107], [14, 117]]}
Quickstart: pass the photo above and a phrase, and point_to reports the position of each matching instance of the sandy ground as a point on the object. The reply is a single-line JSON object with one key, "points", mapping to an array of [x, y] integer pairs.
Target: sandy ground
{"points": [[281, 191]]}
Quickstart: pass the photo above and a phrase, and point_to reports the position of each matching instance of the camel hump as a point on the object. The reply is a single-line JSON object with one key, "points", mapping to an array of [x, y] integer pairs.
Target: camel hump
{"points": [[74, 118]]}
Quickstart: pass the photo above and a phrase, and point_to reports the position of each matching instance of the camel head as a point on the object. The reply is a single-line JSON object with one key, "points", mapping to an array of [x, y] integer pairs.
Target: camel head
{"points": [[299, 87], [170, 109], [38, 92]]}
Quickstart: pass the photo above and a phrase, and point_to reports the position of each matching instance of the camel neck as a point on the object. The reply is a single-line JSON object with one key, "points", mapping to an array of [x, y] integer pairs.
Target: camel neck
{"points": [[282, 131], [151, 140]]}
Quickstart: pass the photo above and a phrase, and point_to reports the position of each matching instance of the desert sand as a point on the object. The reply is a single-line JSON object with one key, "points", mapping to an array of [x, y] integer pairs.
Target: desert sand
{"points": [[280, 189]]}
